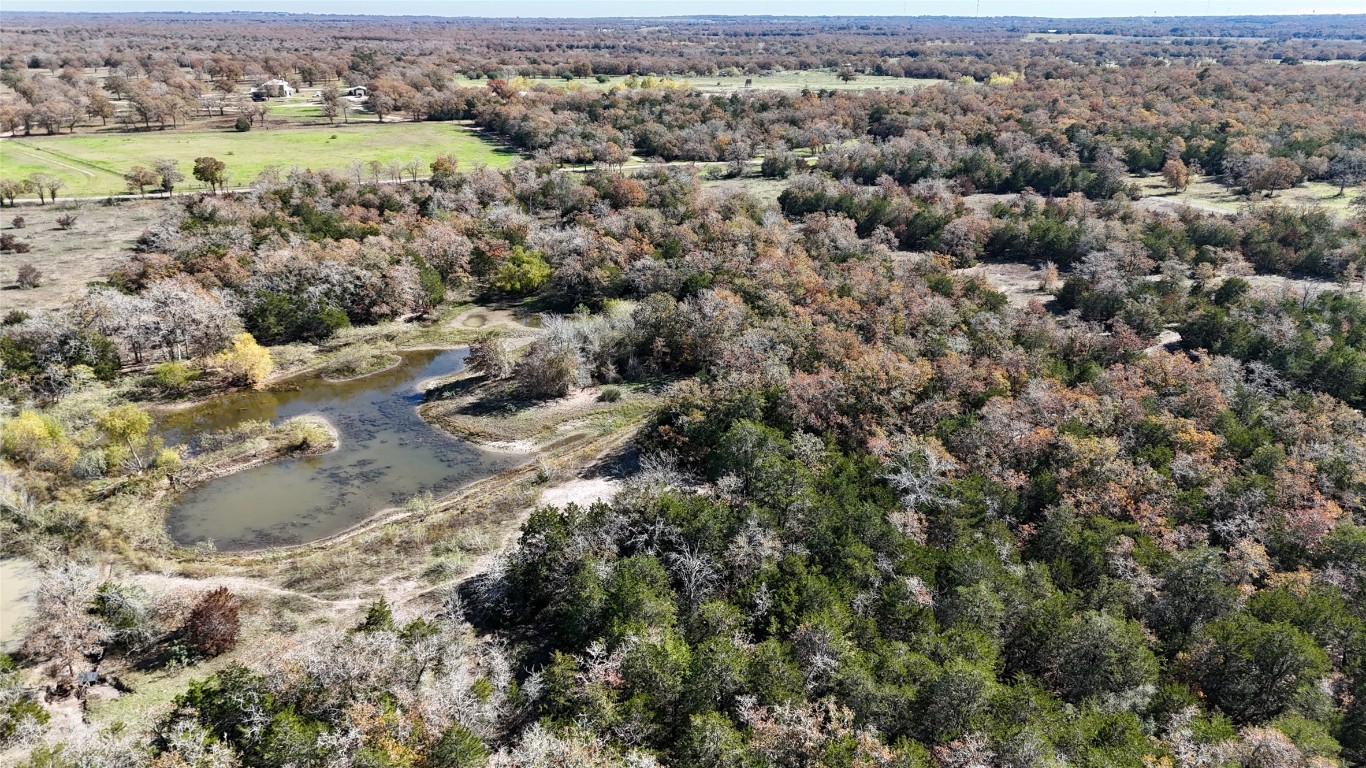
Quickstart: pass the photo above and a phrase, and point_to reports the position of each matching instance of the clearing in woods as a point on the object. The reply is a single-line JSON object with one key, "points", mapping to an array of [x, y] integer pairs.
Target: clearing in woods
{"points": [[93, 165], [790, 82], [1206, 193], [69, 259]]}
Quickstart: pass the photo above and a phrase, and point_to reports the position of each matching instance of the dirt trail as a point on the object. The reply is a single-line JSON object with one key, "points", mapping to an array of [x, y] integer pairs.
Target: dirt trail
{"points": [[47, 158], [164, 582], [582, 491]]}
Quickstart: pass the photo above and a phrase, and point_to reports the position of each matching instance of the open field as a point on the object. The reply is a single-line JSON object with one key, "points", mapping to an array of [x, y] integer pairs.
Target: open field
{"points": [[94, 165], [766, 190], [792, 82], [69, 259], [1207, 194]]}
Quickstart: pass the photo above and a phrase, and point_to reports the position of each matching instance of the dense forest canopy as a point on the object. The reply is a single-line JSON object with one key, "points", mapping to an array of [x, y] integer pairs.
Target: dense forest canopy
{"points": [[884, 511]]}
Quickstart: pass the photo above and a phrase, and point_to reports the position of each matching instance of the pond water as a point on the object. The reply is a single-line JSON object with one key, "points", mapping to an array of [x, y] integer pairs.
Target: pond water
{"points": [[387, 455], [18, 579]]}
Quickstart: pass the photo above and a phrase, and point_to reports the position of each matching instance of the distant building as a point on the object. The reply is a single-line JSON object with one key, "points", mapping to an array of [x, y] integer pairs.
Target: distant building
{"points": [[274, 89], [358, 91]]}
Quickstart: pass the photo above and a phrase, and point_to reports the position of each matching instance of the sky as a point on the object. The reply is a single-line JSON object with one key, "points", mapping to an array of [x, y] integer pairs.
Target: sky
{"points": [[1051, 8]]}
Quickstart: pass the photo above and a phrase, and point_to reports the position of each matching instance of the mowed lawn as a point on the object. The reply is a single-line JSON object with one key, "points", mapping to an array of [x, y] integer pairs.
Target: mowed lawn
{"points": [[93, 165]]}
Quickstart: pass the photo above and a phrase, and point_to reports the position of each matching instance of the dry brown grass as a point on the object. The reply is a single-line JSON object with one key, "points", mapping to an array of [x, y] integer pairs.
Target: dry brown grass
{"points": [[70, 259]]}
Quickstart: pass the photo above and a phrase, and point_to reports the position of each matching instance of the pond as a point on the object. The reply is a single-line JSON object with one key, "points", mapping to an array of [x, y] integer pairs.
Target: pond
{"points": [[386, 456]]}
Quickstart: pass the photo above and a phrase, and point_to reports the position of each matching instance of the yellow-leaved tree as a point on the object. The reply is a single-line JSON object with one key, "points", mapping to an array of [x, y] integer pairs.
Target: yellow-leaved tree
{"points": [[245, 361]]}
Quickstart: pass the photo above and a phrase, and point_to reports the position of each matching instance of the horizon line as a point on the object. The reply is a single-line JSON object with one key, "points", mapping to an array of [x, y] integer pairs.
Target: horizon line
{"points": [[4, 12]]}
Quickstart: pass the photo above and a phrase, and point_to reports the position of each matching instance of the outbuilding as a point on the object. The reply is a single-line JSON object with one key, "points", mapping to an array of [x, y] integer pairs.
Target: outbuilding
{"points": [[274, 89]]}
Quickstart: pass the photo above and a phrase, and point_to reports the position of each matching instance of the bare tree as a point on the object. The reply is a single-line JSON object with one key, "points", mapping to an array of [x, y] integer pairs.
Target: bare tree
{"points": [[64, 629], [413, 168]]}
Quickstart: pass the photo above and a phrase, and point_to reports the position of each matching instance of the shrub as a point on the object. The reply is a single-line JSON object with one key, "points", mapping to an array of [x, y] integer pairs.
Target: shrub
{"points": [[610, 394], [91, 465], [458, 747], [245, 361], [242, 125], [307, 435], [39, 440], [29, 276], [489, 356], [67, 220], [9, 242], [545, 372], [20, 713], [213, 625], [18, 222], [174, 375], [779, 164]]}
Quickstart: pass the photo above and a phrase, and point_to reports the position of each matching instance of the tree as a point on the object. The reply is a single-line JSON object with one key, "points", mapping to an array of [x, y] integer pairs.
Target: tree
{"points": [[458, 747], [211, 171], [12, 188], [1281, 173], [443, 170], [413, 168], [64, 628], [546, 371], [379, 617], [126, 613], [46, 183], [521, 273], [330, 98], [1098, 655], [169, 172], [1348, 169], [1176, 174], [386, 96], [139, 178], [213, 624], [128, 429], [1252, 670], [21, 716], [99, 106], [245, 361]]}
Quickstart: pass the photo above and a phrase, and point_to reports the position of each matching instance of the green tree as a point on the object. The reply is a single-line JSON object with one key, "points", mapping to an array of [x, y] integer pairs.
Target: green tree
{"points": [[1098, 654], [379, 617], [523, 272], [458, 748], [1252, 670], [211, 171]]}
